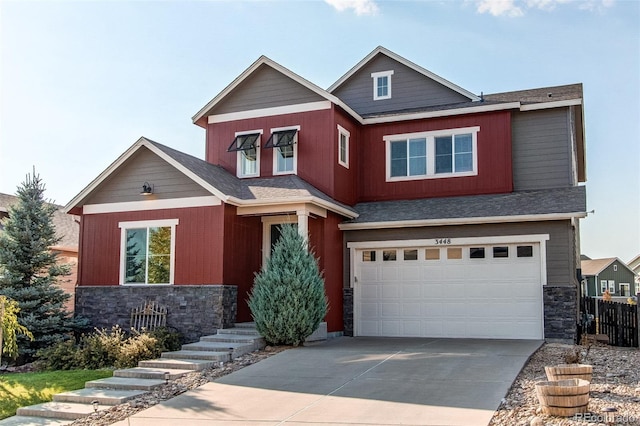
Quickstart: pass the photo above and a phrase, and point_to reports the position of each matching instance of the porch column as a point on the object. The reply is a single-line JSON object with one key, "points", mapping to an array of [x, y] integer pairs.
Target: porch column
{"points": [[303, 224]]}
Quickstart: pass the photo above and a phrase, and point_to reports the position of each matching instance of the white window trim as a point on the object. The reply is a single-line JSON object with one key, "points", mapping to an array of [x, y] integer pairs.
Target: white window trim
{"points": [[295, 152], [146, 224], [431, 151], [375, 76], [603, 286], [612, 286], [627, 286], [239, 154], [347, 134], [615, 268], [267, 221]]}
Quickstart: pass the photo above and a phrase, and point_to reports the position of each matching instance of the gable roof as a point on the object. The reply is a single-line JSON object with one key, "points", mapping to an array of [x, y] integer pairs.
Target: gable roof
{"points": [[596, 266], [67, 229], [552, 204], [263, 60], [382, 51], [222, 184], [635, 263]]}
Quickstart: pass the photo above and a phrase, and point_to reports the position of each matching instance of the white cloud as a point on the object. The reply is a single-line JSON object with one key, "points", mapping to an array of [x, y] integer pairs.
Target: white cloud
{"points": [[360, 7], [516, 8], [499, 7]]}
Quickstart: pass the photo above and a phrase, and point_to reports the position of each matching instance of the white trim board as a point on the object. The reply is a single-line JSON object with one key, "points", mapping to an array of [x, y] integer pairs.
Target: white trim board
{"points": [[135, 206]]}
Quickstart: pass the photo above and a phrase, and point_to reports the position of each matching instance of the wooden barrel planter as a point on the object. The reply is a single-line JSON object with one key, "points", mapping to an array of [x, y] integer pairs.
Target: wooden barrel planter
{"points": [[569, 371], [563, 397]]}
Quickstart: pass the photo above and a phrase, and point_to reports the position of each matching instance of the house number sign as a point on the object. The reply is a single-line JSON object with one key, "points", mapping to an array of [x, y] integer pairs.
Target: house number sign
{"points": [[443, 241]]}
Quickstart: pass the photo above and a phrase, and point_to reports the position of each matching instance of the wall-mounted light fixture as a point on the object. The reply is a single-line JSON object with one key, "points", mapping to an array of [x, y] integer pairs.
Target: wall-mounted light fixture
{"points": [[147, 189]]}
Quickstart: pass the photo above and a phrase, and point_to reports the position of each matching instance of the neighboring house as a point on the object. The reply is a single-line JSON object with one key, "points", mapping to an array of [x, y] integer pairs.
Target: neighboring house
{"points": [[68, 230], [432, 211], [634, 264], [610, 274]]}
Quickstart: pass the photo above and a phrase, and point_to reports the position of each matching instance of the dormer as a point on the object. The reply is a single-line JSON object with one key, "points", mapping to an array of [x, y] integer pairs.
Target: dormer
{"points": [[398, 85]]}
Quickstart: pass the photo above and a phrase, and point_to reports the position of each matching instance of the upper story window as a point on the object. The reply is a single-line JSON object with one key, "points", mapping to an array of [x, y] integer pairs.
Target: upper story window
{"points": [[147, 251], [381, 85], [343, 146], [284, 142], [433, 154], [247, 146]]}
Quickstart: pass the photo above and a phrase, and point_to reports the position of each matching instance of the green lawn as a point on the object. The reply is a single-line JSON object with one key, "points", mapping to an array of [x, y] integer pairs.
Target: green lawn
{"points": [[22, 389]]}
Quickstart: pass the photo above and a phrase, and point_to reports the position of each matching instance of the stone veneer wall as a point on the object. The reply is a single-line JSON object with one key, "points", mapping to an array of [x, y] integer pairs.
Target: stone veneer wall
{"points": [[347, 311], [560, 313], [194, 310]]}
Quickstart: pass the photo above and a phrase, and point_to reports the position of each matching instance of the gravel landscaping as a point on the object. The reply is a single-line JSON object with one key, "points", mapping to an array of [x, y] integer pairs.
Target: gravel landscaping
{"points": [[615, 384]]}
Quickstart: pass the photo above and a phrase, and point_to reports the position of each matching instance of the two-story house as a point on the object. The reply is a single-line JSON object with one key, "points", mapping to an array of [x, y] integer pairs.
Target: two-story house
{"points": [[432, 211]]}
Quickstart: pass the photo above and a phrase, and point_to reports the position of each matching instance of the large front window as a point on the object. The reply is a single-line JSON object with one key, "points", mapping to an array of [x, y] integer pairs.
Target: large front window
{"points": [[147, 252], [432, 154]]}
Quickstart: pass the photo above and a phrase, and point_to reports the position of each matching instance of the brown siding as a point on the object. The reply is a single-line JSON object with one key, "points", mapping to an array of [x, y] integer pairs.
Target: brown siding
{"points": [[145, 166], [198, 255], [409, 89], [494, 160], [561, 265], [265, 88]]}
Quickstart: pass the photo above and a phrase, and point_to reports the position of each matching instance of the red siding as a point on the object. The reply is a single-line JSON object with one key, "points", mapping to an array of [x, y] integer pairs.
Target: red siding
{"points": [[199, 236], [494, 159], [317, 149], [326, 242], [243, 258]]}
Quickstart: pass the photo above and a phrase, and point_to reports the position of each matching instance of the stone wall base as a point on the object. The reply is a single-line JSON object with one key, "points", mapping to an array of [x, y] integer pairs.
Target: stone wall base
{"points": [[194, 310], [560, 313], [347, 311]]}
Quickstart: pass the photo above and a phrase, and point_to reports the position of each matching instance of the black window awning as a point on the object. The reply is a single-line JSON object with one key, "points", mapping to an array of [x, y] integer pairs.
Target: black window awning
{"points": [[283, 138], [243, 142]]}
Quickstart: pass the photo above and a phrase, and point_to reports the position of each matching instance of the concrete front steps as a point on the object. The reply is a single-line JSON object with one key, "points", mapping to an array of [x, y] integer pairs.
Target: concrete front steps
{"points": [[130, 383]]}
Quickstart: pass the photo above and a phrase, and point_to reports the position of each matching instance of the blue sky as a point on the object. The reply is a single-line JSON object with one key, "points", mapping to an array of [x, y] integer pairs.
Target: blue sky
{"points": [[82, 81]]}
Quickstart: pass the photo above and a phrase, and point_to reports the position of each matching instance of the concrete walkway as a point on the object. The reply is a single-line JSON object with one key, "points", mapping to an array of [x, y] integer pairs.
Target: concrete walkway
{"points": [[378, 381]]}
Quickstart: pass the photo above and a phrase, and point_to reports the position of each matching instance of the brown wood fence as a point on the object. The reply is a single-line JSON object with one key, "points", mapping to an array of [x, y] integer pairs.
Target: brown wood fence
{"points": [[619, 321], [149, 316]]}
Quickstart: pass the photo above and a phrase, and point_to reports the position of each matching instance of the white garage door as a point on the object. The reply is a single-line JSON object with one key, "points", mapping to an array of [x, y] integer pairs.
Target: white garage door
{"points": [[477, 291]]}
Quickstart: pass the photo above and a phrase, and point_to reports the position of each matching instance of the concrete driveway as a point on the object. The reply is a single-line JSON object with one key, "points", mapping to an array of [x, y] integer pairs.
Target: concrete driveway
{"points": [[373, 381]]}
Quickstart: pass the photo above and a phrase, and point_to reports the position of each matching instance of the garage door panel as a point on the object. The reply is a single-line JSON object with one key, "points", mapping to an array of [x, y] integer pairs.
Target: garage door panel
{"points": [[487, 297]]}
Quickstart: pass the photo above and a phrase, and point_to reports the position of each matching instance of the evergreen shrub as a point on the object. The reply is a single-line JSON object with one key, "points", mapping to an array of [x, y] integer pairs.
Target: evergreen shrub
{"points": [[288, 300]]}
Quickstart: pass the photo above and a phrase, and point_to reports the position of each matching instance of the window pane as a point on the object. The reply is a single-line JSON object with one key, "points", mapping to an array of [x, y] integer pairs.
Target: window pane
{"points": [[249, 161], [454, 253], [369, 256], [417, 157], [501, 252], [383, 86], [399, 158], [343, 148], [388, 255], [464, 162], [136, 255], [476, 253], [443, 154], [525, 251], [159, 255], [432, 254], [463, 143], [285, 158], [411, 255]]}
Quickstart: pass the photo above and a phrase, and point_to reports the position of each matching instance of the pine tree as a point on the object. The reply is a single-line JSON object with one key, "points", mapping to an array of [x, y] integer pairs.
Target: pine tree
{"points": [[288, 301], [30, 269]]}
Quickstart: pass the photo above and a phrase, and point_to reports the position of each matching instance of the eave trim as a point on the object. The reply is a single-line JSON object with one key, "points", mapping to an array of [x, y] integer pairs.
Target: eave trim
{"points": [[460, 221], [553, 104], [442, 113]]}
